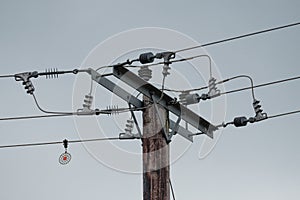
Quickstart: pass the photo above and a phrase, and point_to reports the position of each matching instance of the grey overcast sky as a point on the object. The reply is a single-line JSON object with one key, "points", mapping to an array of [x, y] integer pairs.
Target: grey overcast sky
{"points": [[260, 161]]}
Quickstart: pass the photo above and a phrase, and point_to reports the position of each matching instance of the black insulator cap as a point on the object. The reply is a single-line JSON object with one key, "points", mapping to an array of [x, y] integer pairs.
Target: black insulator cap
{"points": [[146, 58], [240, 121], [97, 111], [65, 142]]}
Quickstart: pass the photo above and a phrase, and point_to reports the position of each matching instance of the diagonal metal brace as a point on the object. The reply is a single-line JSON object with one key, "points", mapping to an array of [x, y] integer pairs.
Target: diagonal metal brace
{"points": [[149, 90]]}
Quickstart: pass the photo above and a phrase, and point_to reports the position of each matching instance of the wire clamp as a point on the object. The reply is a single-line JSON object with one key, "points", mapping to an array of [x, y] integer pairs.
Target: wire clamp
{"points": [[87, 103], [25, 77], [167, 56], [128, 131], [259, 115]]}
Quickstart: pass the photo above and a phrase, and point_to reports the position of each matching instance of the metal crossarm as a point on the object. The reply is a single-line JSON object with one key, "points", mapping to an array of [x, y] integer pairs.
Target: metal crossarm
{"points": [[109, 85], [164, 100]]}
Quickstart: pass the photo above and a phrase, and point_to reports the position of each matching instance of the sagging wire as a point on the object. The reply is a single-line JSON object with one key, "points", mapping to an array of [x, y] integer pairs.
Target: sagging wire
{"points": [[50, 112], [197, 56], [53, 73], [243, 76]]}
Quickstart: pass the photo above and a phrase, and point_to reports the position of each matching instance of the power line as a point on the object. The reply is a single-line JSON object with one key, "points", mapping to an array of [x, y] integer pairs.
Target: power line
{"points": [[7, 76], [284, 114], [237, 90], [239, 37], [238, 123], [49, 73], [243, 76], [114, 138], [261, 85], [126, 110], [51, 112], [59, 142], [107, 112], [173, 61], [33, 117]]}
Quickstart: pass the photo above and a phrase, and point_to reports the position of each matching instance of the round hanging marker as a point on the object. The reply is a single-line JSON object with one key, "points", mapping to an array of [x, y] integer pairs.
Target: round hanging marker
{"points": [[64, 158]]}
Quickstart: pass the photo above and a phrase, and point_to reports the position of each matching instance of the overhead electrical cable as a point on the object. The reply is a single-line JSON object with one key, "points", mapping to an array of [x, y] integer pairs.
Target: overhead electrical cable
{"points": [[7, 76], [284, 114], [32, 117], [51, 112], [237, 90], [237, 123], [116, 138], [239, 37], [59, 142]]}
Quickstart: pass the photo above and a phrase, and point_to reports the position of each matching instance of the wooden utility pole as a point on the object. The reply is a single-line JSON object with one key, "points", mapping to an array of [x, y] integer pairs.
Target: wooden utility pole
{"points": [[155, 153], [156, 125]]}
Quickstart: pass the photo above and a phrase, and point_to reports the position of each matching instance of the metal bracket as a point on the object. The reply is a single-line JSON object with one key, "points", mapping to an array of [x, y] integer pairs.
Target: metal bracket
{"points": [[175, 128], [136, 122], [165, 131]]}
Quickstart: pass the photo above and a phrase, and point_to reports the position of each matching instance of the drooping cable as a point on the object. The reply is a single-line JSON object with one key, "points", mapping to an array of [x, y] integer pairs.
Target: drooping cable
{"points": [[243, 76], [51, 112]]}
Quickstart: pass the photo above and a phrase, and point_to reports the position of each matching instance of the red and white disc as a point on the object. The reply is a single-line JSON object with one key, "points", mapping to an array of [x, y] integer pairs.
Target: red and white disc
{"points": [[64, 158]]}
